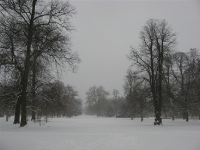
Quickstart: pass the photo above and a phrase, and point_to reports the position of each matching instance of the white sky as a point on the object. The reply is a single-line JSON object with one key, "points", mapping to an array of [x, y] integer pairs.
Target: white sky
{"points": [[105, 30]]}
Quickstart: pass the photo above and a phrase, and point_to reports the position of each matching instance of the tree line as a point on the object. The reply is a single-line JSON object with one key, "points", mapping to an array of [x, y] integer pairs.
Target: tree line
{"points": [[100, 102], [34, 39], [52, 99], [161, 81]]}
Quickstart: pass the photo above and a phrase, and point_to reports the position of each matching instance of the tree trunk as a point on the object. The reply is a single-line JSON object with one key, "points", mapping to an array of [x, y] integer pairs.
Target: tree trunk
{"points": [[160, 49], [141, 108], [160, 96], [173, 114], [116, 109], [131, 116], [132, 113], [33, 116], [186, 116], [173, 117], [27, 66], [17, 112], [33, 89], [141, 116], [23, 109], [7, 116], [153, 86], [98, 110], [186, 105]]}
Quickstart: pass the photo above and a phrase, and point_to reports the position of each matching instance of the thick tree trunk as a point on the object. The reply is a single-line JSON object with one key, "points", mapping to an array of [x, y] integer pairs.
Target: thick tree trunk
{"points": [[17, 112], [27, 66], [160, 50], [23, 110], [153, 87]]}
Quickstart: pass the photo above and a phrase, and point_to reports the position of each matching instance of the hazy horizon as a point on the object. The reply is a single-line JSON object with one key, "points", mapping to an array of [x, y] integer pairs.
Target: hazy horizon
{"points": [[105, 30]]}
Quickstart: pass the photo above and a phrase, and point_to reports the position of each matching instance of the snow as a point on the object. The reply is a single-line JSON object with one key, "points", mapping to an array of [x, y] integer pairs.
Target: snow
{"points": [[92, 133]]}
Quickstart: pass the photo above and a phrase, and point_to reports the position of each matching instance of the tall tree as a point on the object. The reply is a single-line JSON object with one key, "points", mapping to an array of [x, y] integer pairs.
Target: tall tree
{"points": [[157, 42], [185, 73], [129, 90], [193, 87], [180, 66], [135, 91], [96, 96], [70, 100], [31, 16]]}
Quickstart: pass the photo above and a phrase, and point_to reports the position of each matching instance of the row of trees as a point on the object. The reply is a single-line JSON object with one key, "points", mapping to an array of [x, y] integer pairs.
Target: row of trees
{"points": [[34, 39], [51, 99], [99, 102], [173, 78], [160, 81]]}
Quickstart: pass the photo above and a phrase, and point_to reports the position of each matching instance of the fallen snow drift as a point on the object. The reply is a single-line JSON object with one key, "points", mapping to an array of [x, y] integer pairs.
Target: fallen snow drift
{"points": [[92, 133]]}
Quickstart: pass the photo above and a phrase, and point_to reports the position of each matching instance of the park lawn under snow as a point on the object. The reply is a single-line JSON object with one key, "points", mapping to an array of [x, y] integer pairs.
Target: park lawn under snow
{"points": [[92, 133]]}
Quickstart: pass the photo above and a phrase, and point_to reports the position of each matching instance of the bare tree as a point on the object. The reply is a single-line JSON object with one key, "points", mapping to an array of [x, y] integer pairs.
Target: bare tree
{"points": [[186, 75], [157, 42], [30, 17], [180, 66], [169, 98], [129, 89], [193, 95], [70, 100], [96, 96], [135, 92]]}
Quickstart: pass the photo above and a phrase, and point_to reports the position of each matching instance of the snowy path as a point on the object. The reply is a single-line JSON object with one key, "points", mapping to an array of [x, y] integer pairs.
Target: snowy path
{"points": [[92, 133]]}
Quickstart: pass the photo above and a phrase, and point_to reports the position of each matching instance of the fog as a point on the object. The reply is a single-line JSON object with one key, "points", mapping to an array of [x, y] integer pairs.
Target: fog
{"points": [[105, 30]]}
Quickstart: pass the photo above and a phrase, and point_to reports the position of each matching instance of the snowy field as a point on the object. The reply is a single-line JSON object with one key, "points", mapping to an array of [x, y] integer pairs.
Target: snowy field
{"points": [[92, 133]]}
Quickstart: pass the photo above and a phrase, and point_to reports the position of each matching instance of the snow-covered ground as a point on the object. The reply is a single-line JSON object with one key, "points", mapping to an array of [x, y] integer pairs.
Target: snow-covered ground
{"points": [[92, 133]]}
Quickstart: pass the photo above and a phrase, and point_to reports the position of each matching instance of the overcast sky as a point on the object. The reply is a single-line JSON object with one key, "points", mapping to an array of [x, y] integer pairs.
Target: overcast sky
{"points": [[105, 30]]}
